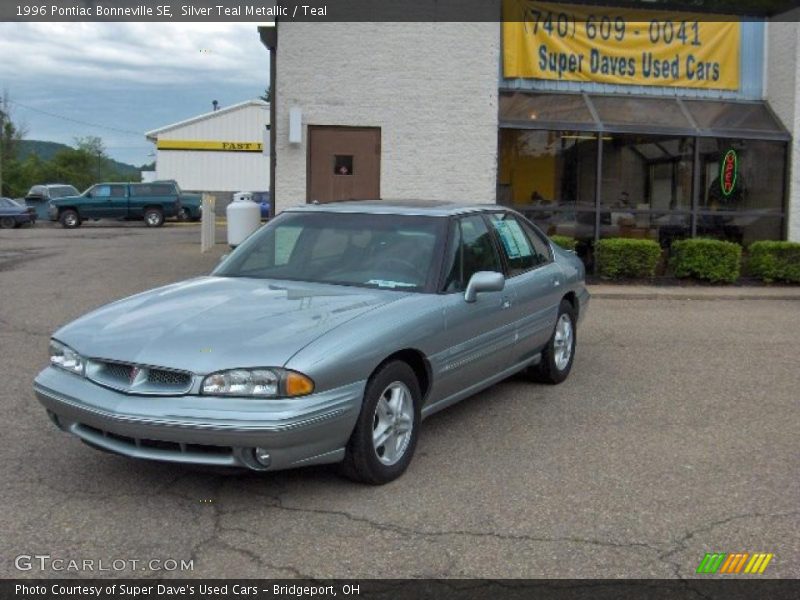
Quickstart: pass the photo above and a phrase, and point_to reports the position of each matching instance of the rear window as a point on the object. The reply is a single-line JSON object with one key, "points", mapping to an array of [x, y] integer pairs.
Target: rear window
{"points": [[63, 191], [153, 189]]}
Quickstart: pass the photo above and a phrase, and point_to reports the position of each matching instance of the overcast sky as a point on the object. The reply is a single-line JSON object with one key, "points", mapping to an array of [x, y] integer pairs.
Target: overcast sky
{"points": [[129, 76]]}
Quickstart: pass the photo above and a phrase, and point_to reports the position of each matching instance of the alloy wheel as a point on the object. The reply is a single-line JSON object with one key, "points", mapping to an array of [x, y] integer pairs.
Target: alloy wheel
{"points": [[392, 423], [562, 342]]}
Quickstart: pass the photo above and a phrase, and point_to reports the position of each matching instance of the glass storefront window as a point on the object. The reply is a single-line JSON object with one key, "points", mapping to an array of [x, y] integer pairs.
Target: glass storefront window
{"points": [[547, 169], [548, 108], [743, 229], [662, 175], [744, 175], [732, 115], [663, 228], [631, 111], [646, 172]]}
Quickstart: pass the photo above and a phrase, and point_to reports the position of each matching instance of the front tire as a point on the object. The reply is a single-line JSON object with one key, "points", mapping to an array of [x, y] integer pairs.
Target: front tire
{"points": [[184, 216], [70, 219], [559, 354], [385, 437], [7, 223], [153, 217]]}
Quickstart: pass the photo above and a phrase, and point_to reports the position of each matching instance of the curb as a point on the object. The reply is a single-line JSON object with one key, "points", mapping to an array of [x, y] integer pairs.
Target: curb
{"points": [[675, 295]]}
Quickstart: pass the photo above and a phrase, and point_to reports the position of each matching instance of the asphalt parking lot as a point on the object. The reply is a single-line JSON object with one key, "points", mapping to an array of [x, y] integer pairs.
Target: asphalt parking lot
{"points": [[676, 435]]}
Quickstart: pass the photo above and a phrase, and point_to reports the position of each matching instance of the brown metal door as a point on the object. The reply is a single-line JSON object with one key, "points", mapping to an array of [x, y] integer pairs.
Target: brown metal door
{"points": [[344, 163]]}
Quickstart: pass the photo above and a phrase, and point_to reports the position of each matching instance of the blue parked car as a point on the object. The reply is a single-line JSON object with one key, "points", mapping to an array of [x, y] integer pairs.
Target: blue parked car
{"points": [[14, 214]]}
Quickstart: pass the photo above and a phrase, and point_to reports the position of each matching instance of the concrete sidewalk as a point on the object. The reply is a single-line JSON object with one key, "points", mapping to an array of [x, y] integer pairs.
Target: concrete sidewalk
{"points": [[699, 292]]}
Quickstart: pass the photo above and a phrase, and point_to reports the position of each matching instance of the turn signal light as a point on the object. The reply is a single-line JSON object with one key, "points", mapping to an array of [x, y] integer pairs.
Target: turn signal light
{"points": [[298, 384]]}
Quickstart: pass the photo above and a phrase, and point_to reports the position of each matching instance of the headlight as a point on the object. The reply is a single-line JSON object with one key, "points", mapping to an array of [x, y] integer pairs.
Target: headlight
{"points": [[263, 383], [66, 358]]}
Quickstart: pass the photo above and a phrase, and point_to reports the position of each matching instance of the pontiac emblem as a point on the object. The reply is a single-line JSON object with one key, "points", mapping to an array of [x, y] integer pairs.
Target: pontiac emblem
{"points": [[134, 372]]}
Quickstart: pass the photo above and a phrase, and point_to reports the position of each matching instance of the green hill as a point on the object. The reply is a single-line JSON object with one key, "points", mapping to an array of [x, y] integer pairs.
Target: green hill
{"points": [[47, 150]]}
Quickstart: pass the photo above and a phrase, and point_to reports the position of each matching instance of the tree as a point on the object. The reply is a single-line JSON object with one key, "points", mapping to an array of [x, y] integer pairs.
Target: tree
{"points": [[95, 154], [10, 135], [267, 95]]}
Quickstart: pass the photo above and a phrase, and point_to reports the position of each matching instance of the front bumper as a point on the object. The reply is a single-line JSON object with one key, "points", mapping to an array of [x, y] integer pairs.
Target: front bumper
{"points": [[208, 430]]}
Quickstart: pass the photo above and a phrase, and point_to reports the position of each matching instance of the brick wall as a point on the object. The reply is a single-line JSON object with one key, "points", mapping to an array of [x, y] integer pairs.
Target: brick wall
{"points": [[430, 87], [783, 95]]}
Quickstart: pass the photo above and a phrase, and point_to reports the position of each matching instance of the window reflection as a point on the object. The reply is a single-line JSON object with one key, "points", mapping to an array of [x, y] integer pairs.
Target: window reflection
{"points": [[646, 172], [742, 174], [648, 186], [743, 229], [547, 169], [663, 228]]}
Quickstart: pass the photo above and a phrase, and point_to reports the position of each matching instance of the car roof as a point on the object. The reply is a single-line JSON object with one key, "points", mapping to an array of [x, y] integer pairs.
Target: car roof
{"points": [[434, 208]]}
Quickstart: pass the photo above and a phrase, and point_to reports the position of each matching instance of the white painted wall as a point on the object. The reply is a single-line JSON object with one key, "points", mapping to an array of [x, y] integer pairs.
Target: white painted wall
{"points": [[783, 95], [214, 171], [430, 87], [218, 171]]}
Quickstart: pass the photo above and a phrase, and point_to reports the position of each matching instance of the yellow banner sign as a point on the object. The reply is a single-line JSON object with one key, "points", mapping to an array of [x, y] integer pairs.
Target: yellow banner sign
{"points": [[621, 46], [209, 145]]}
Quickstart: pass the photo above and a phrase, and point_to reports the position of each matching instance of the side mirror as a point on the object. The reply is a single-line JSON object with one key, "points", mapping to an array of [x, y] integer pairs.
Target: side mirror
{"points": [[484, 281]]}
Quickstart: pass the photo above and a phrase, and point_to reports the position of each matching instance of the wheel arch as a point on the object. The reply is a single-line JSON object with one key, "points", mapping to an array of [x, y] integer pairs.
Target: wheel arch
{"points": [[572, 298], [418, 362]]}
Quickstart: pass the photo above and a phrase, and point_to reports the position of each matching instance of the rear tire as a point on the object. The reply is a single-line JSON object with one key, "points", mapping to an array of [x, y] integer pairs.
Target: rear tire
{"points": [[70, 219], [7, 223], [559, 354], [153, 217], [383, 441]]}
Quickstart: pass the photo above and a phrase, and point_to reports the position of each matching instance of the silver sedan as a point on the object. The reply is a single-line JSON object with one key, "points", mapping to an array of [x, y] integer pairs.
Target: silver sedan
{"points": [[326, 337]]}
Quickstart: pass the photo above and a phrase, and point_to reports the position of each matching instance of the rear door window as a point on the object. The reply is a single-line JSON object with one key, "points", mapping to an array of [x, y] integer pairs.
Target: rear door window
{"points": [[522, 248]]}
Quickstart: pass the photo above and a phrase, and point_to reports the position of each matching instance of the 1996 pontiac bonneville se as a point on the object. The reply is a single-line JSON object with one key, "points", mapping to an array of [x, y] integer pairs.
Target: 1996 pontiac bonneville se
{"points": [[325, 337]]}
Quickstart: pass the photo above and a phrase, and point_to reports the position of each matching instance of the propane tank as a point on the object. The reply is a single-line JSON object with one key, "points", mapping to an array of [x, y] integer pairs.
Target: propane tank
{"points": [[244, 217]]}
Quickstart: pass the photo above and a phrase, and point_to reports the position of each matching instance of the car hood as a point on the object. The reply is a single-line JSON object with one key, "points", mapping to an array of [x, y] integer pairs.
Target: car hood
{"points": [[213, 323]]}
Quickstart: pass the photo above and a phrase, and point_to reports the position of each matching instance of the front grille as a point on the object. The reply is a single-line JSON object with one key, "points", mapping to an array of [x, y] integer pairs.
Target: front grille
{"points": [[138, 379], [174, 447], [118, 372], [160, 376]]}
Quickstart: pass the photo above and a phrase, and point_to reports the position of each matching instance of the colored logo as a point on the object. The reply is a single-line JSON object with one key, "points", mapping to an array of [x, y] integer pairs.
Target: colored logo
{"points": [[738, 562], [729, 172]]}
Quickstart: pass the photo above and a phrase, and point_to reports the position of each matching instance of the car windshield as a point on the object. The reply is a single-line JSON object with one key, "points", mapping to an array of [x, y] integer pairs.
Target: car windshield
{"points": [[383, 251], [63, 191]]}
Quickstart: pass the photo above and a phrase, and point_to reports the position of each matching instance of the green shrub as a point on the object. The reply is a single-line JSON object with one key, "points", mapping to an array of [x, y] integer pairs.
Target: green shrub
{"points": [[566, 242], [712, 260], [623, 257], [775, 261]]}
